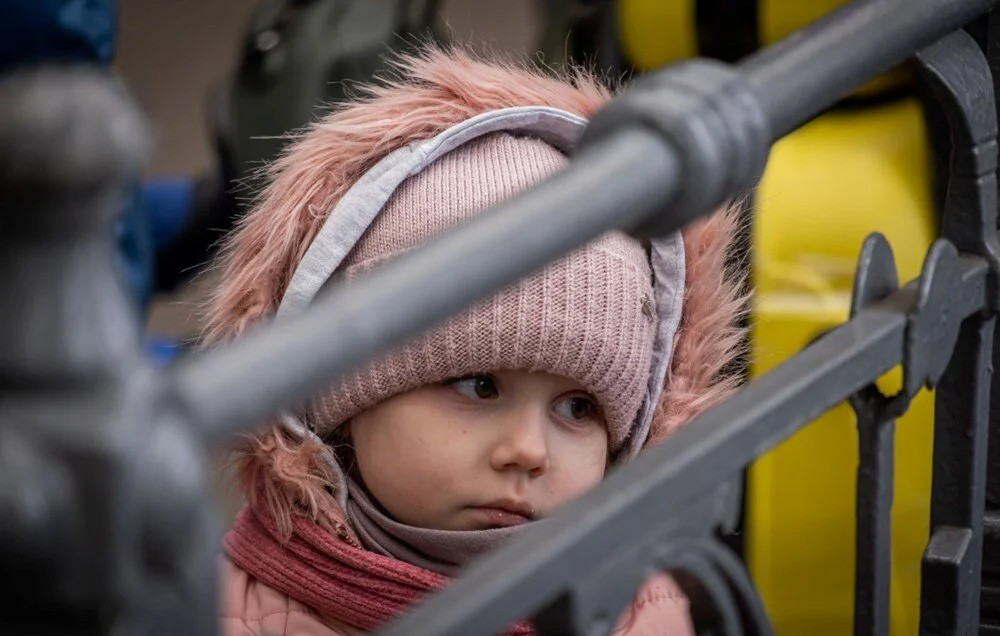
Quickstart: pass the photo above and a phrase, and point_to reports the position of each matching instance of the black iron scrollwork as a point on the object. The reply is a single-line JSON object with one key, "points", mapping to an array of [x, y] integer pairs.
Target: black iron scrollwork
{"points": [[963, 83], [722, 597]]}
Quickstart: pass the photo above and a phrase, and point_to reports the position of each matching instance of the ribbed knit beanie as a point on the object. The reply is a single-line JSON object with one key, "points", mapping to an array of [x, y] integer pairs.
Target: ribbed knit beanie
{"points": [[589, 316]]}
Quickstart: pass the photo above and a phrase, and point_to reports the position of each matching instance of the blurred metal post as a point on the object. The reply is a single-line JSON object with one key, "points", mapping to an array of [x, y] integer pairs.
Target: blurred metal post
{"points": [[105, 527]]}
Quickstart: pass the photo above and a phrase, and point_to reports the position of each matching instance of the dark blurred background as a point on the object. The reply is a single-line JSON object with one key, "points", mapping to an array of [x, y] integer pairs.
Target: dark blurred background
{"points": [[172, 53]]}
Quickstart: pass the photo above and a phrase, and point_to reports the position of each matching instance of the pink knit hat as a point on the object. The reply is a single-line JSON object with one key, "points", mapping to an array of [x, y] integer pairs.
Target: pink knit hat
{"points": [[588, 316]]}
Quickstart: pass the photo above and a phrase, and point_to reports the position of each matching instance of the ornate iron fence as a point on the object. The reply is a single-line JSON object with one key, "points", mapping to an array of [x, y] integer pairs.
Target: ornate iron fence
{"points": [[105, 527]]}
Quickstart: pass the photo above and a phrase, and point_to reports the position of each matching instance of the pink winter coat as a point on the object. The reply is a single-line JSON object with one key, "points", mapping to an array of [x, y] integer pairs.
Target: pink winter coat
{"points": [[251, 608]]}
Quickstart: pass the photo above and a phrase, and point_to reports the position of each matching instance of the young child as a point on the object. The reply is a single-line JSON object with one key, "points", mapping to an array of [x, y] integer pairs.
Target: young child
{"points": [[382, 489]]}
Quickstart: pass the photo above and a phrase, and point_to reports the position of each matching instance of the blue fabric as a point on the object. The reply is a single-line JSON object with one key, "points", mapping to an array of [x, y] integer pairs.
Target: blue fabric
{"points": [[136, 253], [36, 31], [168, 202], [51, 30], [162, 350]]}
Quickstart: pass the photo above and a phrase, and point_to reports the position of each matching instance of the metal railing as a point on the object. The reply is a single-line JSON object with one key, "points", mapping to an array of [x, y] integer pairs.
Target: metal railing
{"points": [[105, 524]]}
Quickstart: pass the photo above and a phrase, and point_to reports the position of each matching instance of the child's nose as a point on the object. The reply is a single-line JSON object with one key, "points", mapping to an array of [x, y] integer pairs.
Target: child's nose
{"points": [[522, 445]]}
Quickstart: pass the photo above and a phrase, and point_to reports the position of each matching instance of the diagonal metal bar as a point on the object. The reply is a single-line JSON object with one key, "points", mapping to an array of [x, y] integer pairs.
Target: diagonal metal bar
{"points": [[544, 562], [800, 76]]}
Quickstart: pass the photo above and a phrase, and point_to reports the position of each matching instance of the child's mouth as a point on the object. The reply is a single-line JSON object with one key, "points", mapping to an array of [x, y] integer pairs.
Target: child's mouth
{"points": [[503, 515]]}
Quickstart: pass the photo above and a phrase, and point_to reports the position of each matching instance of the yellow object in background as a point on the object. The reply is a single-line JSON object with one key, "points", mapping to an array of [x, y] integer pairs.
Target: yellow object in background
{"points": [[778, 18], [826, 187], [654, 33]]}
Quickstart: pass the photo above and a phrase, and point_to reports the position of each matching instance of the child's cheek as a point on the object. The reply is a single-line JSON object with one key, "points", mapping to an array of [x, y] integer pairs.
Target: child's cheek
{"points": [[425, 472], [579, 482], [577, 469], [445, 465]]}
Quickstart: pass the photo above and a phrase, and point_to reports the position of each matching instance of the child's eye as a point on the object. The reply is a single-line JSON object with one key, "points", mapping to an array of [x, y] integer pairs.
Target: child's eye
{"points": [[481, 387], [578, 408]]}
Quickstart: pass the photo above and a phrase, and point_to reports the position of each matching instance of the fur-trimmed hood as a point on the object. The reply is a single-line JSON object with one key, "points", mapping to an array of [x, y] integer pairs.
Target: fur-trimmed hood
{"points": [[428, 93]]}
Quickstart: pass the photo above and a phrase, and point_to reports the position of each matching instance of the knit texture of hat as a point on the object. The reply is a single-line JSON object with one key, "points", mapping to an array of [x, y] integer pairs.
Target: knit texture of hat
{"points": [[588, 316]]}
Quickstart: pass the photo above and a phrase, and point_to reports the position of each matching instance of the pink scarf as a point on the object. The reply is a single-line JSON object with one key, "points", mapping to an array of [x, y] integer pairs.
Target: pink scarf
{"points": [[350, 585]]}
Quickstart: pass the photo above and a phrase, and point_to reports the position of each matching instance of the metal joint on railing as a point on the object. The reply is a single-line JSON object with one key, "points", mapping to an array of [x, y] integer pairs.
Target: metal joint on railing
{"points": [[707, 113], [875, 279], [937, 317], [933, 322]]}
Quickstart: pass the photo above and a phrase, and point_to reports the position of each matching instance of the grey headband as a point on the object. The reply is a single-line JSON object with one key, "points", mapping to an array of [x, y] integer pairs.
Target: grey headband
{"points": [[359, 206]]}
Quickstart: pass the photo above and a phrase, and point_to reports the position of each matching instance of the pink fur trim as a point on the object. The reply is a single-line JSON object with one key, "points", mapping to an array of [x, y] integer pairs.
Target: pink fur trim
{"points": [[291, 477], [432, 92], [710, 335]]}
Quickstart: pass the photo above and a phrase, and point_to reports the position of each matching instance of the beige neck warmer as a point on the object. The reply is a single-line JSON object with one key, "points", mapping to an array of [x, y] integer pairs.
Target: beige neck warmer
{"points": [[441, 551]]}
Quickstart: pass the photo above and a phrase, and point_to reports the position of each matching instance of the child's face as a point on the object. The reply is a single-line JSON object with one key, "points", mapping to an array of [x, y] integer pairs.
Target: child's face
{"points": [[482, 451]]}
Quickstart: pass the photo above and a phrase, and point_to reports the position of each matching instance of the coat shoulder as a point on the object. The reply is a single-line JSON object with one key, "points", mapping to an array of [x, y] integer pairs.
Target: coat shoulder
{"points": [[659, 609], [248, 607]]}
